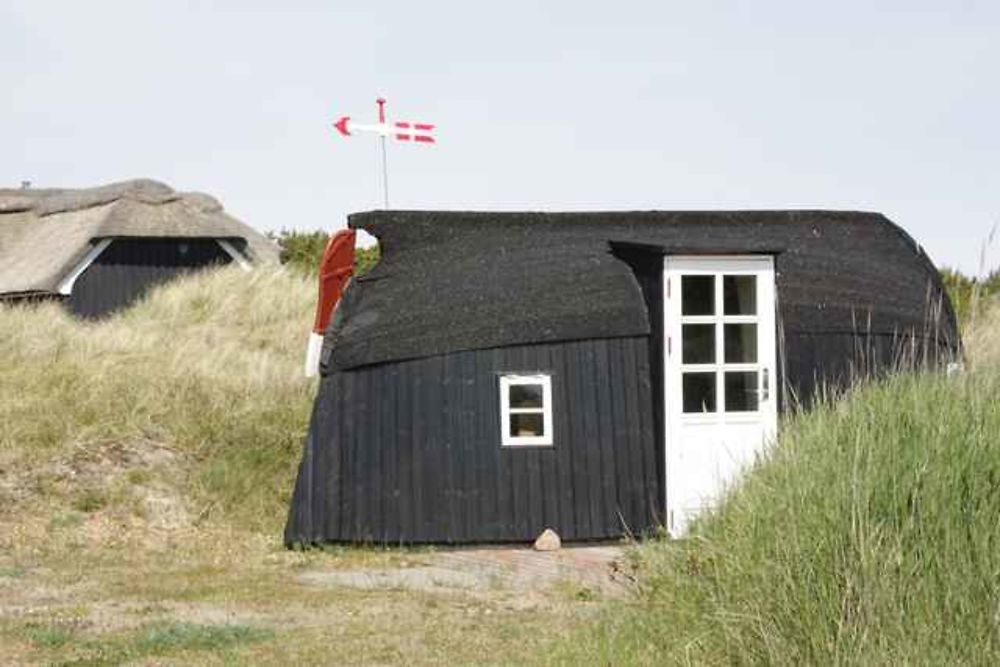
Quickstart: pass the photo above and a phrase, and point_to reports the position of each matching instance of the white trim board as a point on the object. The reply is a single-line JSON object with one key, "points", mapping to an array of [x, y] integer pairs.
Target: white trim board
{"points": [[237, 256], [66, 286]]}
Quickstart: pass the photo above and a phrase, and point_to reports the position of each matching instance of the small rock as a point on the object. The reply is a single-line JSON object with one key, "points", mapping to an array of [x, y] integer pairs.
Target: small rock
{"points": [[548, 541]]}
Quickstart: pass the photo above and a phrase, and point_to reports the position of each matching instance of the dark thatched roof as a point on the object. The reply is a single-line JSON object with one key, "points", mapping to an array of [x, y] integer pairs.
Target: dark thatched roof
{"points": [[44, 233], [451, 281]]}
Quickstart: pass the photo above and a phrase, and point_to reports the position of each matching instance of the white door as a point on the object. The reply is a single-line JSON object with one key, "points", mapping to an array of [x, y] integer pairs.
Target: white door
{"points": [[720, 393]]}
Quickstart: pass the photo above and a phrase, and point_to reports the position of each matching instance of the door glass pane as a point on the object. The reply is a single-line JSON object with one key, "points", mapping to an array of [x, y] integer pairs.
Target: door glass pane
{"points": [[740, 343], [698, 343], [699, 392], [526, 396], [697, 295], [741, 391], [739, 295], [524, 424]]}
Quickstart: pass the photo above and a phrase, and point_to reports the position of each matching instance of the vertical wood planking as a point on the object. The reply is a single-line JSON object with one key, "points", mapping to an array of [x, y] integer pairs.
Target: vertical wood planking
{"points": [[637, 489], [625, 483], [485, 503], [652, 451], [565, 449], [470, 497], [411, 452], [377, 455], [360, 469], [404, 444], [591, 438], [605, 425], [549, 474], [581, 477], [347, 512], [391, 513], [447, 512], [417, 430], [505, 498], [435, 474], [330, 472], [128, 268]]}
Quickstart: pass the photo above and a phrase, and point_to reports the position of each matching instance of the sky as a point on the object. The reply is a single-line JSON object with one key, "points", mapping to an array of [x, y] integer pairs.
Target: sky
{"points": [[863, 105]]}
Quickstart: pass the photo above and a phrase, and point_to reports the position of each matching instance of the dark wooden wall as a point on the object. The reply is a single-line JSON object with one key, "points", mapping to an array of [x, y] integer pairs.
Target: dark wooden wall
{"points": [[129, 267], [410, 452], [647, 267], [824, 363]]}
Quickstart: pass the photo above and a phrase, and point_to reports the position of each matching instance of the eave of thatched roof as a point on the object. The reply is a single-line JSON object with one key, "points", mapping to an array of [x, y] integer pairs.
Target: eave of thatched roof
{"points": [[44, 233], [451, 281]]}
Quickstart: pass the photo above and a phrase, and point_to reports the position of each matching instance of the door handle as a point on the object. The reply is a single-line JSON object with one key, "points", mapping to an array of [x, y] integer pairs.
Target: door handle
{"points": [[766, 392]]}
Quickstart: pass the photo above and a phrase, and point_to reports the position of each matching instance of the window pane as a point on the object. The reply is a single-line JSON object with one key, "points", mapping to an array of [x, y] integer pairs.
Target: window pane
{"points": [[526, 396], [739, 295], [740, 343], [697, 295], [741, 392], [699, 392], [698, 344], [525, 424]]}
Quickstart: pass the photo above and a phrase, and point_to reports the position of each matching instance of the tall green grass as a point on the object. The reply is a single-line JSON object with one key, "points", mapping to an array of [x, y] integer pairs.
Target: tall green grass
{"points": [[966, 292], [869, 535]]}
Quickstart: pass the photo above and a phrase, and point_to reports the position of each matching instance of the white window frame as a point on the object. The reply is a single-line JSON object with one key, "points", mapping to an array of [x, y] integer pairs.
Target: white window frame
{"points": [[509, 380]]}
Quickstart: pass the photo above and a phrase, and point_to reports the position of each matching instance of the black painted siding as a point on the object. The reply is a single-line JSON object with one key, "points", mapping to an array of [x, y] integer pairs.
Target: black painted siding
{"points": [[647, 267], [410, 452], [128, 268]]}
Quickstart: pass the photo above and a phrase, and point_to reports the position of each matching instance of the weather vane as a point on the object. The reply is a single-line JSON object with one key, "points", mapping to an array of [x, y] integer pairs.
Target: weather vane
{"points": [[402, 131]]}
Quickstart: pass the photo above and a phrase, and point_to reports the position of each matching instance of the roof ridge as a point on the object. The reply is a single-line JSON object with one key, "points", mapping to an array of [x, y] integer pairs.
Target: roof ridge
{"points": [[61, 200]]}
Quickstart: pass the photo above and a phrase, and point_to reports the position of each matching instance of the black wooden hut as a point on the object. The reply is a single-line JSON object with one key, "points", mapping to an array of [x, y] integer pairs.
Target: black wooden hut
{"points": [[99, 249], [499, 373]]}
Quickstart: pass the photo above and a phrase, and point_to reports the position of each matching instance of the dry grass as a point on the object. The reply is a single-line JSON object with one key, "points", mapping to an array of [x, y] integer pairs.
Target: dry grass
{"points": [[207, 370], [146, 464], [982, 341]]}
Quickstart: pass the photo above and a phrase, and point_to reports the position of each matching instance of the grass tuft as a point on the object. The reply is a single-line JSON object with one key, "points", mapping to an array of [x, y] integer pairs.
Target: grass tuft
{"points": [[168, 637], [91, 500], [868, 535], [47, 635]]}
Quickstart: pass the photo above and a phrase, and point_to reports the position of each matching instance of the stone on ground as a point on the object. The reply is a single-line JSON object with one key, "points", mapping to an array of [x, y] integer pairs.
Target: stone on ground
{"points": [[548, 541]]}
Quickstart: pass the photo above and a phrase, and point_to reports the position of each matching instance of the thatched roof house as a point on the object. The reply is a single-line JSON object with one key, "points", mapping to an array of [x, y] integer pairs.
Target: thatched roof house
{"points": [[100, 248]]}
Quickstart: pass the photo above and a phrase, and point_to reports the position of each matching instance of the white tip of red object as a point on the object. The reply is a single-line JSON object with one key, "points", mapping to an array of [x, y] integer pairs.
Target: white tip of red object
{"points": [[313, 349]]}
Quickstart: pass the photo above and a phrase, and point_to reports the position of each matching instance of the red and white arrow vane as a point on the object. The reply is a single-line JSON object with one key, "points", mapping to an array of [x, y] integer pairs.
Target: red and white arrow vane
{"points": [[399, 130], [402, 131]]}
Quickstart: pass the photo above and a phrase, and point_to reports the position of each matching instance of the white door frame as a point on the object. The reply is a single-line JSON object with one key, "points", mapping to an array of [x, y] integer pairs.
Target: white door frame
{"points": [[736, 436]]}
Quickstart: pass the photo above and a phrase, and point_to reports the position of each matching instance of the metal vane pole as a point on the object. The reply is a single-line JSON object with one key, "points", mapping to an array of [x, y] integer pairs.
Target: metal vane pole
{"points": [[385, 168], [401, 130]]}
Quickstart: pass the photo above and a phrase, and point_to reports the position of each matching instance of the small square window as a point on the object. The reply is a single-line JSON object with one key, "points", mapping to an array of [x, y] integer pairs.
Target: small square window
{"points": [[525, 410]]}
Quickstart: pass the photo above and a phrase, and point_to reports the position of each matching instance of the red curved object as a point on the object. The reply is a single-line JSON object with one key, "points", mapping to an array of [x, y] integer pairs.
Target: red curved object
{"points": [[335, 270]]}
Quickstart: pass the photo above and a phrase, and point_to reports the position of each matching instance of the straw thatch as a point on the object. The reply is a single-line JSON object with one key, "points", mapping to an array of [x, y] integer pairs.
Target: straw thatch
{"points": [[44, 233]]}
